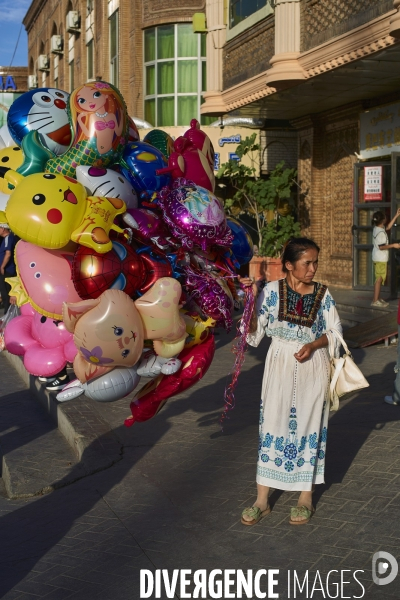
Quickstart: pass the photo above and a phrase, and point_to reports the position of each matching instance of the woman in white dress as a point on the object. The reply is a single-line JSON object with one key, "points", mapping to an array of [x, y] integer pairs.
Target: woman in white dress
{"points": [[295, 312]]}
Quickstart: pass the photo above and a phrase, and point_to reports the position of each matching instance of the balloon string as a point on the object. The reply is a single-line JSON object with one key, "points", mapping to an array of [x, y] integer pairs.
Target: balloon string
{"points": [[239, 348]]}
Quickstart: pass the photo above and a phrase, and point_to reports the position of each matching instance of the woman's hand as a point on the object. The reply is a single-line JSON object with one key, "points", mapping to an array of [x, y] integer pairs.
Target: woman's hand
{"points": [[304, 353], [247, 282]]}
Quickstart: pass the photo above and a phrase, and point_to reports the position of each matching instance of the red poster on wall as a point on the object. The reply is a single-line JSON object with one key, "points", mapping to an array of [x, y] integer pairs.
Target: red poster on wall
{"points": [[373, 184]]}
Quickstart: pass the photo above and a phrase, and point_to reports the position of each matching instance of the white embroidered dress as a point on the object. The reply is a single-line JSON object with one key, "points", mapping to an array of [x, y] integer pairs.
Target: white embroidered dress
{"points": [[295, 396]]}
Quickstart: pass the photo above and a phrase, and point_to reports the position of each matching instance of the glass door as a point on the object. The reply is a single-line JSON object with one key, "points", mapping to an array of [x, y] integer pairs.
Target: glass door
{"points": [[372, 192]]}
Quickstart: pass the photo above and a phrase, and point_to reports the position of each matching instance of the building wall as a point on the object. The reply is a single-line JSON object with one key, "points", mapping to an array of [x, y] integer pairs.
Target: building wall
{"points": [[46, 18], [322, 20], [278, 145], [249, 53], [327, 146]]}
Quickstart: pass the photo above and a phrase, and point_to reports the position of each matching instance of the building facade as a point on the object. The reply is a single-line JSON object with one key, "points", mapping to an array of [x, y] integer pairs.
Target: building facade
{"points": [[329, 69]]}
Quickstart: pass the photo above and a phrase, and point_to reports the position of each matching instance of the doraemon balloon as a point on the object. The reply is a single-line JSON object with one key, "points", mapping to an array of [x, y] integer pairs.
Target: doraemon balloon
{"points": [[43, 110]]}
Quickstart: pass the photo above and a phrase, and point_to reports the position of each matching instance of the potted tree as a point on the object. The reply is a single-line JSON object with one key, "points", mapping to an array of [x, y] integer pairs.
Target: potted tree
{"points": [[268, 200]]}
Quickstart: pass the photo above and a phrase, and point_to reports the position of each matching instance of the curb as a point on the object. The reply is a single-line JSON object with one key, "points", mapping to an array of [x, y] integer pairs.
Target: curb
{"points": [[90, 437]]}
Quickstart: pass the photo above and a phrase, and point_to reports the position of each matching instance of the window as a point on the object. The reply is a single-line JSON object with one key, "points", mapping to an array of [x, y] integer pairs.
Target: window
{"points": [[241, 9], [89, 51], [175, 70], [114, 48]]}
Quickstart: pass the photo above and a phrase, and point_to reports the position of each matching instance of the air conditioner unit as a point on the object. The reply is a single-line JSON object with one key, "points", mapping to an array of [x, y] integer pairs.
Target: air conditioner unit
{"points": [[73, 21], [43, 62], [32, 82], [56, 44]]}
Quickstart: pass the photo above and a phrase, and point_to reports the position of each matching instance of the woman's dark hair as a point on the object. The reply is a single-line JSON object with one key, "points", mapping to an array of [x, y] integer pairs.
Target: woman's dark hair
{"points": [[378, 217], [294, 248]]}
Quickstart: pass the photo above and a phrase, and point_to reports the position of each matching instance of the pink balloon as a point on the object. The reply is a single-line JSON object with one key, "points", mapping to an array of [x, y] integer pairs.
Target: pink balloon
{"points": [[46, 278], [44, 342]]}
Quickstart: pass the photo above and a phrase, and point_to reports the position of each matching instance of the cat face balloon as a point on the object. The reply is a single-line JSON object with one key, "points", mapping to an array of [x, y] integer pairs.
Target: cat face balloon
{"points": [[44, 110]]}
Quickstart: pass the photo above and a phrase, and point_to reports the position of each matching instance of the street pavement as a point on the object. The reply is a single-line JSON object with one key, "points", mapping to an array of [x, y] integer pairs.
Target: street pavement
{"points": [[174, 499]]}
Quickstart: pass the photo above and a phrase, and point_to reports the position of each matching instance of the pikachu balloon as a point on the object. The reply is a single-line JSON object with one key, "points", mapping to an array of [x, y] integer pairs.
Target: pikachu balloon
{"points": [[49, 210]]}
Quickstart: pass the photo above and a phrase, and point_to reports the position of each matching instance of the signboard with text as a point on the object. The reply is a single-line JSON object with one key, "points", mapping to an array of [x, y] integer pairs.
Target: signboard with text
{"points": [[373, 184], [380, 131], [224, 141]]}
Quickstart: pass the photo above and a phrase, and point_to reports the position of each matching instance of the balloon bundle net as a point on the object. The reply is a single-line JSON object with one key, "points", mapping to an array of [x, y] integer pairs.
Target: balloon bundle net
{"points": [[239, 348]]}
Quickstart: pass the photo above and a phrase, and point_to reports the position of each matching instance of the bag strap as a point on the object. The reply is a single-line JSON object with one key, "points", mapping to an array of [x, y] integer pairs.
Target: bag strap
{"points": [[336, 333], [339, 364]]}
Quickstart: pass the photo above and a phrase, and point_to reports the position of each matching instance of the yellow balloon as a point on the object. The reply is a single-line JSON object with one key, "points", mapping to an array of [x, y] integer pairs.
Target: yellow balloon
{"points": [[50, 210], [197, 330], [10, 158]]}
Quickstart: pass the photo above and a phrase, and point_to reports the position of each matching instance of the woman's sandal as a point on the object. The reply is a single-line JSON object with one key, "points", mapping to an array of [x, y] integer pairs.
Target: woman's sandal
{"points": [[256, 513], [301, 511]]}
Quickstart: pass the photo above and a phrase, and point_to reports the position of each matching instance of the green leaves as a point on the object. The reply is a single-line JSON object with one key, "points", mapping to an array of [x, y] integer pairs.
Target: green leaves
{"points": [[262, 197]]}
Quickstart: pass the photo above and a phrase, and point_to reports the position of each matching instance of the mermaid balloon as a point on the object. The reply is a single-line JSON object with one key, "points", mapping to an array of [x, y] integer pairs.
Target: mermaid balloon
{"points": [[99, 119]]}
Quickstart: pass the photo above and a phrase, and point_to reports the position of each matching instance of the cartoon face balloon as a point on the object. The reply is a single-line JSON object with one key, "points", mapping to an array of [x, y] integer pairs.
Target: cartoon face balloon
{"points": [[120, 269], [108, 183], [108, 332], [44, 278], [139, 164], [50, 210], [44, 110], [99, 120], [195, 215]]}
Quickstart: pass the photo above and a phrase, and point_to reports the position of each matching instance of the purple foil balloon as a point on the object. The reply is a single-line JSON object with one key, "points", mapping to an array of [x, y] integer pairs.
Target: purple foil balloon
{"points": [[194, 215], [211, 295], [146, 222]]}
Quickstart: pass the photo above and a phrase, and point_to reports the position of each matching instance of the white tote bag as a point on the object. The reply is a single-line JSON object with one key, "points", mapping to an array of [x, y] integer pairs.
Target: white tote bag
{"points": [[346, 377]]}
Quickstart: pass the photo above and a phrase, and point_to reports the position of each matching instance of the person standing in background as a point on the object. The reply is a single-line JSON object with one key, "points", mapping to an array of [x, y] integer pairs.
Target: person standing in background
{"points": [[7, 264], [380, 252]]}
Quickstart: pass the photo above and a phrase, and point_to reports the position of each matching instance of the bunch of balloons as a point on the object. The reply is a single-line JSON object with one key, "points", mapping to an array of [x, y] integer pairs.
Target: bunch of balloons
{"points": [[126, 260]]}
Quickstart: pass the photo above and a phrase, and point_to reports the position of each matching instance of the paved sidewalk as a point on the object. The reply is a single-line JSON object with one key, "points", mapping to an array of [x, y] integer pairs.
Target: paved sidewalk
{"points": [[175, 498]]}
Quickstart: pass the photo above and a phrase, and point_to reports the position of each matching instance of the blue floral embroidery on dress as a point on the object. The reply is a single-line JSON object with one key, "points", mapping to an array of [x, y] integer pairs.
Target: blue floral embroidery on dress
{"points": [[292, 425], [321, 454], [313, 460], [312, 440], [268, 439], [265, 458], [279, 444], [300, 462], [291, 325], [289, 466], [259, 444], [290, 451], [324, 435], [273, 299], [293, 410], [271, 318], [278, 462], [302, 443]]}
